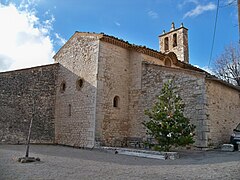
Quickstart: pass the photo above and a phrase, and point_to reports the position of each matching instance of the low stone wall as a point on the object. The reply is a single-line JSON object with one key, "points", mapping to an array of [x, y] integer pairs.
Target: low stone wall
{"points": [[24, 95]]}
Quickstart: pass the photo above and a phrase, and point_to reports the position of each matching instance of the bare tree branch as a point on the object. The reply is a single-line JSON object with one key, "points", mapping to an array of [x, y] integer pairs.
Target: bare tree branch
{"points": [[227, 65]]}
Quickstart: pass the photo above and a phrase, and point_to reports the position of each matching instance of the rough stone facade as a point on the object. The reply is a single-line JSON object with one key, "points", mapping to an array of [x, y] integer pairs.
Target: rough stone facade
{"points": [[24, 95], [113, 81], [76, 105], [190, 86], [120, 71], [223, 111], [100, 88]]}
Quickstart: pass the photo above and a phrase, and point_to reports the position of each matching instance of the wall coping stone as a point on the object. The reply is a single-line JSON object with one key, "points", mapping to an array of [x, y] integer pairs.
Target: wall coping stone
{"points": [[29, 69]]}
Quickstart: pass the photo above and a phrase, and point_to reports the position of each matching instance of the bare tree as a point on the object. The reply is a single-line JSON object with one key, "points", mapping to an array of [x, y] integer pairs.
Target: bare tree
{"points": [[227, 65]]}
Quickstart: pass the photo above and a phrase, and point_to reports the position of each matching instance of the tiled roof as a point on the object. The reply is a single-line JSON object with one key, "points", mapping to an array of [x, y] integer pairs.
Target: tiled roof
{"points": [[151, 52], [140, 49]]}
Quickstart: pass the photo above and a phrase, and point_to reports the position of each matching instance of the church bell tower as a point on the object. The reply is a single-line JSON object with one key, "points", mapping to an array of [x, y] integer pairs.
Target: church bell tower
{"points": [[176, 40]]}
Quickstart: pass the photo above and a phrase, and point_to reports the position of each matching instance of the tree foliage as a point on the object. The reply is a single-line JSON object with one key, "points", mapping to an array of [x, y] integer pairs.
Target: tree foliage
{"points": [[167, 124], [227, 65]]}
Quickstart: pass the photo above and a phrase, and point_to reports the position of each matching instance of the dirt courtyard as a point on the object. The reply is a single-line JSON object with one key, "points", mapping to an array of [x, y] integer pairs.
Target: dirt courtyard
{"points": [[58, 162]]}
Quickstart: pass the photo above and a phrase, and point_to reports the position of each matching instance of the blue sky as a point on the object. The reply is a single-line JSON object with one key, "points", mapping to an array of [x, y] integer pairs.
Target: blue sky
{"points": [[33, 31]]}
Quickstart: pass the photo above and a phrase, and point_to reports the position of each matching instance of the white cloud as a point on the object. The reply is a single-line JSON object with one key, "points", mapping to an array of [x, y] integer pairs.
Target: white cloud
{"points": [[117, 23], [199, 9], [60, 41], [5, 62], [185, 2], [152, 14], [207, 69], [25, 39]]}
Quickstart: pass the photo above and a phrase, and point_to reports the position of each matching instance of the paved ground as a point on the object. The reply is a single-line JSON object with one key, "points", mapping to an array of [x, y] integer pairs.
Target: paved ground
{"points": [[58, 162]]}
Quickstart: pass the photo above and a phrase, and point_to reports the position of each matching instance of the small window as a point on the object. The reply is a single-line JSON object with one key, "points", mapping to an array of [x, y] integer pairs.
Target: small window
{"points": [[174, 40], [116, 100], [69, 110], [168, 62], [79, 83], [63, 87], [166, 46]]}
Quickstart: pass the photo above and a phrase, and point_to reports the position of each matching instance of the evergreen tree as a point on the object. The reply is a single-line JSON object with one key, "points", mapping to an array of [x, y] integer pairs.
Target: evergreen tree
{"points": [[167, 124]]}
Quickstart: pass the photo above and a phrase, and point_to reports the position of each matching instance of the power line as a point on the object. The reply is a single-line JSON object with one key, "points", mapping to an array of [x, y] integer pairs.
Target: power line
{"points": [[214, 33], [239, 21]]}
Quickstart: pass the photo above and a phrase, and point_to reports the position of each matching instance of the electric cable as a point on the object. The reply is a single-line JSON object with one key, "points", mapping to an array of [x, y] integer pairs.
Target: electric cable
{"points": [[214, 34]]}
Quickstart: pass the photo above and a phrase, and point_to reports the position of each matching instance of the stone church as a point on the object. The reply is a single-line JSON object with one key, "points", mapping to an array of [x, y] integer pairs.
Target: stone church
{"points": [[99, 86]]}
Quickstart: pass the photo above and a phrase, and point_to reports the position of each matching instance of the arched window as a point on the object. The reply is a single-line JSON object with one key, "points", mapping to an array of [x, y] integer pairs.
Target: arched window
{"points": [[166, 44], [116, 100], [175, 40], [79, 83], [168, 62], [63, 87]]}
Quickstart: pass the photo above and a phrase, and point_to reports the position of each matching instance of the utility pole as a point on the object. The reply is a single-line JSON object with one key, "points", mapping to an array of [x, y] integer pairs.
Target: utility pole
{"points": [[239, 20]]}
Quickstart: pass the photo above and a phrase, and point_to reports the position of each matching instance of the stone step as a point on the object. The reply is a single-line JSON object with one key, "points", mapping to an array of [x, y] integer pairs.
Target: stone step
{"points": [[143, 153], [139, 154]]}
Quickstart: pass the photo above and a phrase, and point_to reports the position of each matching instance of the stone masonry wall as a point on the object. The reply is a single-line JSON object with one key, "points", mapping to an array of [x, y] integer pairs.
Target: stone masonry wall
{"points": [[191, 86], [113, 80], [153, 60], [26, 94], [223, 111], [76, 103], [136, 112]]}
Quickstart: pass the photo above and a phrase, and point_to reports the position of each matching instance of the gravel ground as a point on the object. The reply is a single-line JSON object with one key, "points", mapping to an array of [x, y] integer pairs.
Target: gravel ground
{"points": [[58, 162]]}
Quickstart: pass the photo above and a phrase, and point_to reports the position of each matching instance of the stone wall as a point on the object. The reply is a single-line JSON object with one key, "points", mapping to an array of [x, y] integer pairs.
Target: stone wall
{"points": [[136, 107], [76, 100], [223, 111], [191, 86], [24, 95], [113, 80], [153, 60]]}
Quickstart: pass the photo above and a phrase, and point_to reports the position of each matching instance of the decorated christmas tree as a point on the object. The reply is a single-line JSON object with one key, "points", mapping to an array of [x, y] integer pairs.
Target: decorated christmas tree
{"points": [[167, 123]]}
